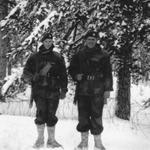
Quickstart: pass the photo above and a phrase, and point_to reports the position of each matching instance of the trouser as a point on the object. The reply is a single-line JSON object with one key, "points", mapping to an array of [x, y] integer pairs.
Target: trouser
{"points": [[90, 110], [46, 111]]}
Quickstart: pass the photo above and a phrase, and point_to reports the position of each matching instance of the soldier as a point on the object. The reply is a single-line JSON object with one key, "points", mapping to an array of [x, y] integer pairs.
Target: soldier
{"points": [[91, 70], [46, 72]]}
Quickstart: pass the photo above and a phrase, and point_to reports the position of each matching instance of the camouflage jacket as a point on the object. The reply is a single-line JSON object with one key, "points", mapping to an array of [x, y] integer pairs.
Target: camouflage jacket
{"points": [[96, 69], [56, 77]]}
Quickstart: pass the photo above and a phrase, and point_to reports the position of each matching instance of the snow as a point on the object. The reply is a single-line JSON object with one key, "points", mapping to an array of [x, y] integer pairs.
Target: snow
{"points": [[41, 7], [21, 5], [19, 133], [10, 80], [44, 23]]}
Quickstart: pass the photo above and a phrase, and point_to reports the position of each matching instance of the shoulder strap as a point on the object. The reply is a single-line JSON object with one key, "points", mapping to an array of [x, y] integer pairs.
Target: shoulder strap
{"points": [[36, 62]]}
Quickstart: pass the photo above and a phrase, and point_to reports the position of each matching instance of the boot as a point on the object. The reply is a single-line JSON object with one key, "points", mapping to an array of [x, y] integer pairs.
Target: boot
{"points": [[51, 142], [40, 139], [83, 145], [98, 143]]}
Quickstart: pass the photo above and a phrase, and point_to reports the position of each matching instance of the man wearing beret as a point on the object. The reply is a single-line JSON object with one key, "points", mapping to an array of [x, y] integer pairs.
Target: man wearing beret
{"points": [[91, 70], [46, 72]]}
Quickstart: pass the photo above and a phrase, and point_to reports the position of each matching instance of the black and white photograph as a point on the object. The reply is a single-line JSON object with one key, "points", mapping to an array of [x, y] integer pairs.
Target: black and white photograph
{"points": [[74, 74]]}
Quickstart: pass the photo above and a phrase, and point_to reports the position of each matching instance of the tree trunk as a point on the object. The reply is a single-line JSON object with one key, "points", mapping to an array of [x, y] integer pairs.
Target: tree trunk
{"points": [[3, 42], [9, 66], [123, 93]]}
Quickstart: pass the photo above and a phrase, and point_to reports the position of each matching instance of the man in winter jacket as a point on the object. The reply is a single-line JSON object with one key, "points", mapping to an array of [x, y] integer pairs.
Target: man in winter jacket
{"points": [[91, 70], [46, 72]]}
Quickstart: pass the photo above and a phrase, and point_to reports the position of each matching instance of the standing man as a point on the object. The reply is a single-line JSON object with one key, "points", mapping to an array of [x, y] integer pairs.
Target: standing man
{"points": [[46, 72], [91, 70]]}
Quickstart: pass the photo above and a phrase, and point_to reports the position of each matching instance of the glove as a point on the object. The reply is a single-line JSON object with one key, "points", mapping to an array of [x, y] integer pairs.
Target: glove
{"points": [[62, 95], [106, 96], [79, 77], [27, 77], [30, 105]]}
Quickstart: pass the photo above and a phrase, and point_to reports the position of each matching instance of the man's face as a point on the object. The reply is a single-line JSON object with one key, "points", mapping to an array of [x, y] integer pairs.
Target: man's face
{"points": [[47, 43], [91, 42]]}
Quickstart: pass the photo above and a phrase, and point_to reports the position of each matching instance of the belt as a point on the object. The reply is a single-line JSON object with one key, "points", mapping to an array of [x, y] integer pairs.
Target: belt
{"points": [[92, 77]]}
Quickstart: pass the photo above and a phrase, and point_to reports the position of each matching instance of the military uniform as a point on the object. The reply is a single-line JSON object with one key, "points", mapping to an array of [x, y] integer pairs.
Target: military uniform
{"points": [[95, 67], [46, 89], [46, 72]]}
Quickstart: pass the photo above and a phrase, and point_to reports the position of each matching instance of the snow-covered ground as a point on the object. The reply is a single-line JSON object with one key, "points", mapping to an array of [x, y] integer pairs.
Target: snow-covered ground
{"points": [[19, 133]]}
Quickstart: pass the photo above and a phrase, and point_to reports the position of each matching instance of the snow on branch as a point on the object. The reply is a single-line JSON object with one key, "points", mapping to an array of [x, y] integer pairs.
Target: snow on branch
{"points": [[19, 6], [44, 23], [9, 81]]}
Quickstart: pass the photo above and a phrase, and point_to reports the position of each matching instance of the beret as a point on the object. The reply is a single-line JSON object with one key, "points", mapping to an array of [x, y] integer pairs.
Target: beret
{"points": [[47, 36], [91, 34]]}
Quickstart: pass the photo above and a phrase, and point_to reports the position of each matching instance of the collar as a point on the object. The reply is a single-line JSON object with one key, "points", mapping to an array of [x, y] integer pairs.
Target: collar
{"points": [[45, 51], [92, 50]]}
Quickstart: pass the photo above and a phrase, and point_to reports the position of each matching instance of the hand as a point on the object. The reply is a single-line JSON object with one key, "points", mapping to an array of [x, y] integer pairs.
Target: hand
{"points": [[26, 78], [106, 95], [79, 77], [30, 105], [62, 95], [45, 69]]}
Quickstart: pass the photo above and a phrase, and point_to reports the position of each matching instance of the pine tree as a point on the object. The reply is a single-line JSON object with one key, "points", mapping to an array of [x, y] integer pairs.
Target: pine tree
{"points": [[123, 27], [3, 40]]}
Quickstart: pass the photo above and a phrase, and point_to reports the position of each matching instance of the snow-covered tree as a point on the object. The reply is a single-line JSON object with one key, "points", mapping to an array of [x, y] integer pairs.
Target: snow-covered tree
{"points": [[3, 40], [123, 27], [129, 36]]}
